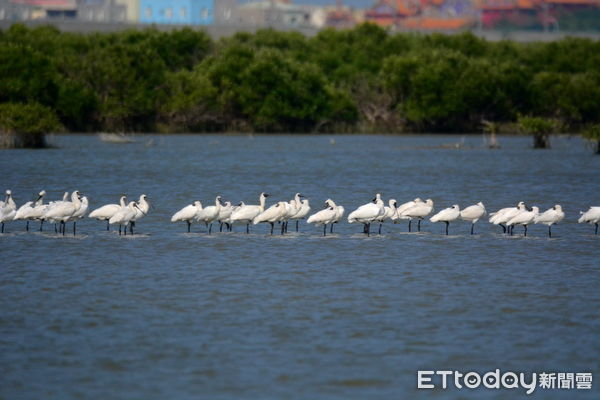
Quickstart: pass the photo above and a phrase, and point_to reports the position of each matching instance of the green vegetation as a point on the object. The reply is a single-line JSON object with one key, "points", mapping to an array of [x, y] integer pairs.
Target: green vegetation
{"points": [[592, 133], [360, 80], [24, 125], [539, 128]]}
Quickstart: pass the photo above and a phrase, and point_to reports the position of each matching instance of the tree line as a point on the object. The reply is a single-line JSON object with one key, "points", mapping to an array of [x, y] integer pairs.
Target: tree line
{"points": [[359, 80]]}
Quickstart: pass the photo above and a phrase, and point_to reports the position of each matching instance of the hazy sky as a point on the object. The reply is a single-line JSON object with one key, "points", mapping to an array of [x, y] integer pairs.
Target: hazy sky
{"points": [[351, 3]]}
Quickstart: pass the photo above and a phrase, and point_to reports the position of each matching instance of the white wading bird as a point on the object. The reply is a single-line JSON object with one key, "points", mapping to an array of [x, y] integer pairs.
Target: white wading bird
{"points": [[210, 214], [290, 210], [224, 215], [124, 216], [403, 207], [389, 212], [187, 214], [8, 209], [80, 212], [550, 217], [247, 212], [50, 206], [473, 214], [23, 213], [39, 209], [303, 208], [367, 213], [591, 216], [105, 212], [325, 216], [273, 214], [339, 213], [227, 220], [502, 216], [523, 218], [61, 211], [140, 211], [447, 215], [419, 211]]}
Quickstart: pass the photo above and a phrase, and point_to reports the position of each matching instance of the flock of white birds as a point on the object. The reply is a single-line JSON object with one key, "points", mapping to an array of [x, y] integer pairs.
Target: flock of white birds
{"points": [[282, 212], [62, 211]]}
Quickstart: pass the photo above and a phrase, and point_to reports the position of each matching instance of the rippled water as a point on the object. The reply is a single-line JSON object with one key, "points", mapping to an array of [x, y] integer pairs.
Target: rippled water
{"points": [[170, 315]]}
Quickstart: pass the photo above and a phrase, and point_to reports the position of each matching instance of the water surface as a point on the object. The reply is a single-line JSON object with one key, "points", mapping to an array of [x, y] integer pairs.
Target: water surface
{"points": [[170, 315]]}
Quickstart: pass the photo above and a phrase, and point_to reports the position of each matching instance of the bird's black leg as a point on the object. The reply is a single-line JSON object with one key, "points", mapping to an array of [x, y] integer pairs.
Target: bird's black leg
{"points": [[472, 226], [503, 228], [447, 223], [64, 227], [525, 226], [550, 231], [296, 225], [272, 225], [220, 226], [41, 224], [248, 228], [189, 224], [595, 233], [210, 228], [409, 224], [107, 226], [380, 228], [324, 229], [369, 229], [27, 226], [419, 225], [3, 227], [74, 227], [331, 228]]}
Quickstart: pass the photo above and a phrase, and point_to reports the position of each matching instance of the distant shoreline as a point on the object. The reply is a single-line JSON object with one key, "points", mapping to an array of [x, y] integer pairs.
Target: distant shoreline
{"points": [[219, 31]]}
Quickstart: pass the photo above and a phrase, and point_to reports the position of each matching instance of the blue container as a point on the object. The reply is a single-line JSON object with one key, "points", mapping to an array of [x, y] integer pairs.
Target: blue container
{"points": [[191, 12]]}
